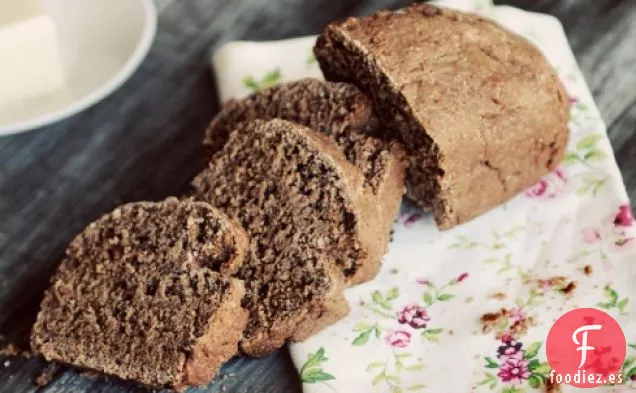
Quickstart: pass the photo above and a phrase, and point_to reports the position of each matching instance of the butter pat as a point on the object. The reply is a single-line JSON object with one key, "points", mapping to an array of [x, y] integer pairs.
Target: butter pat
{"points": [[30, 62]]}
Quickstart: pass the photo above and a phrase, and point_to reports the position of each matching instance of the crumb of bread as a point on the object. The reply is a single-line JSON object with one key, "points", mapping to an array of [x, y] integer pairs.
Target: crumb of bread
{"points": [[498, 296], [46, 376]]}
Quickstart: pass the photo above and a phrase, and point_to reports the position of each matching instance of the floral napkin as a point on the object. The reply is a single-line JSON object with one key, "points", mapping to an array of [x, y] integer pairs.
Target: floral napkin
{"points": [[468, 310]]}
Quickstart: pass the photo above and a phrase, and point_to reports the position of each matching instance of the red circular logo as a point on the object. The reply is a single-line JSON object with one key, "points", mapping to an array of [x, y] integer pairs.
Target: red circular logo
{"points": [[586, 348]]}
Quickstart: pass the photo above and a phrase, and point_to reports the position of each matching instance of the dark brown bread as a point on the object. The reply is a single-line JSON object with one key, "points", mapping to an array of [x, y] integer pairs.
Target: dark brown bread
{"points": [[296, 295], [306, 210], [137, 295], [480, 111], [337, 110]]}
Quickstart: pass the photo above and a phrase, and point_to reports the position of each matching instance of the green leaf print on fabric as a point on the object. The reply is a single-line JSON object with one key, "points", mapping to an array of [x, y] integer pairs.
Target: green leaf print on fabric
{"points": [[380, 304], [532, 350], [389, 372], [432, 334], [585, 154], [629, 368], [464, 243], [269, 79], [365, 332], [497, 240], [591, 183], [579, 111], [311, 59], [489, 379], [612, 300], [312, 371], [505, 265], [434, 294]]}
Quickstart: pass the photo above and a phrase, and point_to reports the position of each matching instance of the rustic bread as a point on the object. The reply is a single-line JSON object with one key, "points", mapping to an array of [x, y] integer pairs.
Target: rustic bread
{"points": [[480, 111], [296, 295], [137, 295], [337, 110], [294, 192]]}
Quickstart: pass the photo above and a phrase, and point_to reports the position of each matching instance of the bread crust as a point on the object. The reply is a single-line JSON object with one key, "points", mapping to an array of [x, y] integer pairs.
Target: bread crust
{"points": [[479, 109], [309, 176], [137, 295], [341, 117], [212, 350]]}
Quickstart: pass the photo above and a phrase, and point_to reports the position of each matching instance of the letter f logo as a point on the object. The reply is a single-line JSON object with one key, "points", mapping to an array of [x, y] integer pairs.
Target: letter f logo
{"points": [[584, 347]]}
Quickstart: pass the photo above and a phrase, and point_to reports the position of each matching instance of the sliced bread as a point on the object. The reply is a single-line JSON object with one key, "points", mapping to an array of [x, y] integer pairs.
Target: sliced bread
{"points": [[137, 295], [306, 211], [343, 114]]}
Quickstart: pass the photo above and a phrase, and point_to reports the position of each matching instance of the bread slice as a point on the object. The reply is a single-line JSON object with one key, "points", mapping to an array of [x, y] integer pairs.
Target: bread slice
{"points": [[479, 110], [306, 210], [296, 295], [343, 114], [137, 295]]}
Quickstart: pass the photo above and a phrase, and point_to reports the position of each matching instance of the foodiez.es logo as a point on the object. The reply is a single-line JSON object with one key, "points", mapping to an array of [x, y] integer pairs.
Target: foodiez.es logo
{"points": [[586, 348]]}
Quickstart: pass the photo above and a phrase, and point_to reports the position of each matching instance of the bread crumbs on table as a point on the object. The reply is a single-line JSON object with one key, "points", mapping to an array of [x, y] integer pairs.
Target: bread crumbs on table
{"points": [[498, 296], [9, 349], [46, 376], [569, 288], [587, 270], [90, 374]]}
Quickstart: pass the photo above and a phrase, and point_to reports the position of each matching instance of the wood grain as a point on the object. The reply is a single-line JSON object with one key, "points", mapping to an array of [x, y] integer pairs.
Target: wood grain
{"points": [[143, 142]]}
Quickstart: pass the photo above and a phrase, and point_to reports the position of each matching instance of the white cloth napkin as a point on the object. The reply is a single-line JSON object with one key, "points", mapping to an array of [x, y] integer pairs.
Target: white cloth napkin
{"points": [[417, 326]]}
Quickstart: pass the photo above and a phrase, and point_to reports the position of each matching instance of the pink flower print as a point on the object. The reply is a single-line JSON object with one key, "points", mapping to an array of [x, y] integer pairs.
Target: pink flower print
{"points": [[514, 370], [398, 338], [414, 315], [506, 337], [573, 100], [549, 186], [510, 349], [422, 280], [624, 217], [516, 315], [412, 219], [462, 277], [622, 222], [591, 235]]}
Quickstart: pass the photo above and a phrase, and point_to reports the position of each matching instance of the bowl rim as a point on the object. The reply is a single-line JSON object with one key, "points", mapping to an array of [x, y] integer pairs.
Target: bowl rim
{"points": [[105, 89]]}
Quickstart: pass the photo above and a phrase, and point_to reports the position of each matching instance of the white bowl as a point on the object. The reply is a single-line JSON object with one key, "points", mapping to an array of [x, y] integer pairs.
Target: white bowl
{"points": [[102, 43]]}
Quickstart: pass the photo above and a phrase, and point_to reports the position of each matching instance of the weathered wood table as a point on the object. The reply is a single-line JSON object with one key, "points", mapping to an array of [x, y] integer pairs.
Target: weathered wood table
{"points": [[144, 143]]}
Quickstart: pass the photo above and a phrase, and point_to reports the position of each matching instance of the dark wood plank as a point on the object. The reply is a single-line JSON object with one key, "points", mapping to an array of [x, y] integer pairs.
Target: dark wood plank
{"points": [[143, 142]]}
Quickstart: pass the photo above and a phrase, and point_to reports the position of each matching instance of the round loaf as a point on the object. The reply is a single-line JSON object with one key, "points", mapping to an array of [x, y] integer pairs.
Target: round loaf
{"points": [[479, 109]]}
